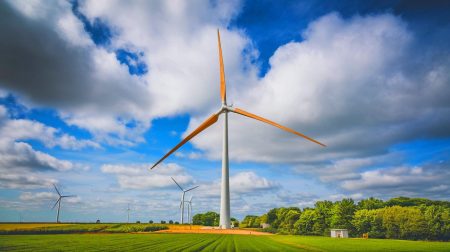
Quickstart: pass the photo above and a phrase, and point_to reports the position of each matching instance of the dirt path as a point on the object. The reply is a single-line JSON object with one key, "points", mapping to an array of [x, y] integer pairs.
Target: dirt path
{"points": [[213, 231]]}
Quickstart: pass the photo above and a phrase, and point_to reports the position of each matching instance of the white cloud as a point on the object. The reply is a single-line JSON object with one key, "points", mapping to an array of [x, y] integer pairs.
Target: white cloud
{"points": [[139, 176], [98, 92], [39, 196], [23, 167], [426, 181]]}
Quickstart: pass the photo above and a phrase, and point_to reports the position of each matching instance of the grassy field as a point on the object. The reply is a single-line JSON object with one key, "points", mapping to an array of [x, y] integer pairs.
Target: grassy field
{"points": [[205, 242], [140, 242], [14, 226], [50, 228], [317, 243]]}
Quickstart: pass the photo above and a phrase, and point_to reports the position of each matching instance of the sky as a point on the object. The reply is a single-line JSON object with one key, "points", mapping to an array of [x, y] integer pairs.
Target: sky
{"points": [[92, 93]]}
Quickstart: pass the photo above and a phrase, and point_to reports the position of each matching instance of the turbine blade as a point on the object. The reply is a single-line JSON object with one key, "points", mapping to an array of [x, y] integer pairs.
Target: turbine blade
{"points": [[68, 196], [56, 203], [245, 113], [210, 121], [177, 184], [190, 200], [191, 189], [56, 189], [223, 90]]}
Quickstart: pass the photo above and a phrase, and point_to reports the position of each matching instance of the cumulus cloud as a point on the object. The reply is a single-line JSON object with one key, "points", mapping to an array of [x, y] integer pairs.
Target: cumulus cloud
{"points": [[22, 166], [359, 85], [139, 177], [90, 87], [351, 84], [431, 180]]}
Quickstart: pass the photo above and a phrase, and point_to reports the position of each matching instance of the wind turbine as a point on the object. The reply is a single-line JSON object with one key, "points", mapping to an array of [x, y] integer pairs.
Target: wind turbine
{"points": [[128, 211], [189, 210], [225, 109], [59, 201], [182, 198]]}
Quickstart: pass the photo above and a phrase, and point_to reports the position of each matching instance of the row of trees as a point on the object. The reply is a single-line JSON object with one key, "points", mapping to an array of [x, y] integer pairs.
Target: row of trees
{"points": [[397, 218], [210, 219]]}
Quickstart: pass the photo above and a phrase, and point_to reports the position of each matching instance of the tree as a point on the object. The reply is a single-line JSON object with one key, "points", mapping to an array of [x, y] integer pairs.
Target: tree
{"points": [[150, 221], [369, 221], [171, 222], [343, 214], [438, 222], [250, 221], [324, 214], [234, 222], [304, 225], [289, 219], [370, 203], [206, 219]]}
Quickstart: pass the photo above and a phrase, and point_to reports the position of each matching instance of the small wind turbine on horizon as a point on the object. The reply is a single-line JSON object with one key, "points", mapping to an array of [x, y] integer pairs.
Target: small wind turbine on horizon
{"points": [[59, 201], [128, 212], [189, 210], [182, 199], [224, 109]]}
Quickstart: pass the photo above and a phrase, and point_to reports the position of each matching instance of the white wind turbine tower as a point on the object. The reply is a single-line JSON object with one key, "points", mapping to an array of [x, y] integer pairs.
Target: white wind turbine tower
{"points": [[59, 202], [128, 212], [225, 109], [182, 199], [189, 210]]}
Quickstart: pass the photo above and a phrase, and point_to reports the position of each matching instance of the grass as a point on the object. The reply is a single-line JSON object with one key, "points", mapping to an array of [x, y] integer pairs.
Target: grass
{"points": [[13, 226], [79, 228], [317, 243], [113, 237], [140, 242]]}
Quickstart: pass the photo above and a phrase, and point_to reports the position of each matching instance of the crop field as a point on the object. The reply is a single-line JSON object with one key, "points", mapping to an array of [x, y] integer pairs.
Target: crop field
{"points": [[205, 242], [80, 228], [14, 226], [318, 243]]}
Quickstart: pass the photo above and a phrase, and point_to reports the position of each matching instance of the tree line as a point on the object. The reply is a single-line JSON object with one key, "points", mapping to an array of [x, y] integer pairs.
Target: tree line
{"points": [[397, 218]]}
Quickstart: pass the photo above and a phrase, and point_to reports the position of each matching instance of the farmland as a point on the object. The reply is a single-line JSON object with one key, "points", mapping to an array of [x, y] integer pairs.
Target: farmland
{"points": [[142, 237]]}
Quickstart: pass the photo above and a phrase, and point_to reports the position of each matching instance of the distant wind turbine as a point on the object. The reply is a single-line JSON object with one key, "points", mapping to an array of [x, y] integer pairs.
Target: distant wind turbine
{"points": [[59, 202], [182, 199], [189, 210], [128, 212], [224, 109]]}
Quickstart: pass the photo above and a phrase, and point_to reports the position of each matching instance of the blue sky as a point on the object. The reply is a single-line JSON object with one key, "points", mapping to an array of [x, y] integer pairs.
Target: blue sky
{"points": [[93, 93]]}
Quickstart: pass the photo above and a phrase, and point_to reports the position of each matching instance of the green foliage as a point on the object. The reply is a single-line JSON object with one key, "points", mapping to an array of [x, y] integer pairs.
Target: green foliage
{"points": [[206, 219], [207, 242], [234, 222], [316, 243], [343, 212], [405, 201], [369, 221], [89, 228], [250, 221], [137, 242], [324, 213], [132, 228], [419, 220], [305, 224], [370, 203]]}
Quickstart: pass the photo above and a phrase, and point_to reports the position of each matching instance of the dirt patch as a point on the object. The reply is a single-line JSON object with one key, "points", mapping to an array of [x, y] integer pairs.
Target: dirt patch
{"points": [[213, 231]]}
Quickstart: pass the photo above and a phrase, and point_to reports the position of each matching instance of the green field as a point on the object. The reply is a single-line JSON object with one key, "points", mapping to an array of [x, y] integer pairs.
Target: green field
{"points": [[205, 242]]}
